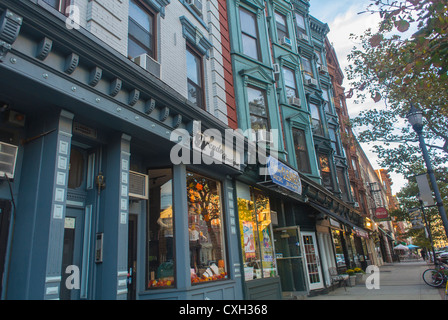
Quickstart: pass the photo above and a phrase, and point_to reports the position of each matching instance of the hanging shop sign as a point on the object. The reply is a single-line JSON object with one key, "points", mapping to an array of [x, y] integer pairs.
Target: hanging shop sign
{"points": [[415, 214], [284, 176], [381, 214]]}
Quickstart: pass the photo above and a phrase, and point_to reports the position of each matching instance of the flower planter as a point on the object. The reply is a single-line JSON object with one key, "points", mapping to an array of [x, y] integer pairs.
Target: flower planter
{"points": [[359, 278], [352, 281]]}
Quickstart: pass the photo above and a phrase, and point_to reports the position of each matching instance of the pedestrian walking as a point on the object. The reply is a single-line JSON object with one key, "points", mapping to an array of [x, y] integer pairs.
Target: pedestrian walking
{"points": [[423, 253]]}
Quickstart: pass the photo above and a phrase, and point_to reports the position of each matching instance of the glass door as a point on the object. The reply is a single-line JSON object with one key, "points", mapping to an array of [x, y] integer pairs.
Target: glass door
{"points": [[72, 254], [289, 259], [312, 260]]}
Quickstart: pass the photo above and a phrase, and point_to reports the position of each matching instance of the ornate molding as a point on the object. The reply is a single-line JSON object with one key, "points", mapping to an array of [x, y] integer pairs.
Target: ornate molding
{"points": [[115, 87], [150, 105], [193, 35], [134, 95], [10, 24], [44, 48], [164, 113], [95, 76], [71, 63]]}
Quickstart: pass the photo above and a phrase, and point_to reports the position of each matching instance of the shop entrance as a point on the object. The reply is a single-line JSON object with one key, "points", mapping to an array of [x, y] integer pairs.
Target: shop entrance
{"points": [[77, 223], [312, 260], [290, 259], [132, 257], [72, 254]]}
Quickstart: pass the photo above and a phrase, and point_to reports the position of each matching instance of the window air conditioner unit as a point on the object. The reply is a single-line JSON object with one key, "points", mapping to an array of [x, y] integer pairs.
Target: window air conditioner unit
{"points": [[323, 69], [286, 41], [138, 185], [276, 68], [264, 136], [311, 82], [8, 157], [303, 36], [196, 5], [294, 101], [143, 61]]}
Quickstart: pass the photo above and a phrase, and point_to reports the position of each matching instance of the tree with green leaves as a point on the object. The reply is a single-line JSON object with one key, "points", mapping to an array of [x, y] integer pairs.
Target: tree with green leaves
{"points": [[388, 65], [397, 70], [408, 200]]}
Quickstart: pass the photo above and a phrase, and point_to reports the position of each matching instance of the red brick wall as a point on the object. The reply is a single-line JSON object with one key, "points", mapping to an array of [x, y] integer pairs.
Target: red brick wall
{"points": [[227, 63]]}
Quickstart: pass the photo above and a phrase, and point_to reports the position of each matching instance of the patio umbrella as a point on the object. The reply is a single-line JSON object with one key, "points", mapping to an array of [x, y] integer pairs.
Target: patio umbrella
{"points": [[411, 246], [401, 247]]}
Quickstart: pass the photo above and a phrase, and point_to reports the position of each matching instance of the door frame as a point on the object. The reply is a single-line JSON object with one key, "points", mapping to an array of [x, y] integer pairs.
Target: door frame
{"points": [[132, 284], [315, 285], [77, 251]]}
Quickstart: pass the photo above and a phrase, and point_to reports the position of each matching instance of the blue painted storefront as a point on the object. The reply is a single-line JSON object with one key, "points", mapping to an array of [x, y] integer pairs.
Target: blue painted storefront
{"points": [[105, 128]]}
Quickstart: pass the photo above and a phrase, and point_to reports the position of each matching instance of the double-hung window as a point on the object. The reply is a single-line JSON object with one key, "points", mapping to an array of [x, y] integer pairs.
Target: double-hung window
{"points": [[141, 30], [342, 184], [259, 117], [300, 22], [282, 28], [327, 100], [249, 34], [325, 171], [301, 150], [334, 141], [300, 25], [290, 83], [195, 82], [355, 168], [307, 68], [316, 119]]}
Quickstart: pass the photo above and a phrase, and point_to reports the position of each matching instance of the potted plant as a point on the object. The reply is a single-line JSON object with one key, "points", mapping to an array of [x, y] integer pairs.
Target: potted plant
{"points": [[352, 276], [358, 275]]}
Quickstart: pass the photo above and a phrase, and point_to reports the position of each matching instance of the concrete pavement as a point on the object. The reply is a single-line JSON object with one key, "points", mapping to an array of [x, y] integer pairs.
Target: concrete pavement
{"points": [[398, 281]]}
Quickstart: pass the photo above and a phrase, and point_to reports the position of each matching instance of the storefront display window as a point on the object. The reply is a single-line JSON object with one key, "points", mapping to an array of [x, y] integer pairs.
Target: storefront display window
{"points": [[354, 253], [339, 251], [160, 262], [206, 233], [256, 236]]}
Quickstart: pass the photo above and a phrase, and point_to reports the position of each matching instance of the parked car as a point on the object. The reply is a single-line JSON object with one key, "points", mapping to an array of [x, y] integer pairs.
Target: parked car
{"points": [[444, 257]]}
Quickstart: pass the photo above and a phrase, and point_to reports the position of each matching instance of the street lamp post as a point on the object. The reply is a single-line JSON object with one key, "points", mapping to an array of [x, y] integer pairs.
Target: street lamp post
{"points": [[415, 118]]}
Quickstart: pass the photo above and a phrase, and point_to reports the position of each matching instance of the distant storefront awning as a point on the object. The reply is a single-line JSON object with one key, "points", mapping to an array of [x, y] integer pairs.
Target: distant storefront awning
{"points": [[357, 230]]}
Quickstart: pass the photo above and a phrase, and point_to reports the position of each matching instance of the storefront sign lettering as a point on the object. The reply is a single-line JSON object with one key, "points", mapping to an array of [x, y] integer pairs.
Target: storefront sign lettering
{"points": [[284, 176]]}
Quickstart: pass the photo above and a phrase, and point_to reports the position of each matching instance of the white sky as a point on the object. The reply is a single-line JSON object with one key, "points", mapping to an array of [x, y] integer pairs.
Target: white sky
{"points": [[343, 19]]}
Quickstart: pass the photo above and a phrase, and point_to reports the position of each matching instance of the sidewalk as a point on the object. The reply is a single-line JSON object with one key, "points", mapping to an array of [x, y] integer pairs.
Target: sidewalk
{"points": [[398, 281]]}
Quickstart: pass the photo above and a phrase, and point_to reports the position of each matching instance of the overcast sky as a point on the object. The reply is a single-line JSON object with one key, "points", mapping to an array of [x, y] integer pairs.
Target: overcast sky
{"points": [[342, 17]]}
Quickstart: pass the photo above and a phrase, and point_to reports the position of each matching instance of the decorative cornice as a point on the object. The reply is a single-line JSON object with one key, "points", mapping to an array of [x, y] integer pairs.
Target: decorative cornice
{"points": [[158, 5], [10, 24], [195, 37]]}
